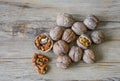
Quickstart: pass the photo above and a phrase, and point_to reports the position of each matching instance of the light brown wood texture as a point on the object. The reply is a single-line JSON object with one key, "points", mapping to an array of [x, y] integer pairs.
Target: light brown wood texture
{"points": [[21, 21]]}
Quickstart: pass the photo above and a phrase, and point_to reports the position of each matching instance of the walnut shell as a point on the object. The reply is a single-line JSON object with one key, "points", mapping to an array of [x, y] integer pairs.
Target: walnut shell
{"points": [[75, 53], [60, 48], [65, 20], [63, 62], [84, 41], [91, 22], [68, 36], [89, 56], [79, 28], [97, 37], [43, 42], [56, 33]]}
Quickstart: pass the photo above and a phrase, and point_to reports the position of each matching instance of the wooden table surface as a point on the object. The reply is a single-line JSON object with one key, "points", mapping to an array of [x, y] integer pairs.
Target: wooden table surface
{"points": [[22, 20]]}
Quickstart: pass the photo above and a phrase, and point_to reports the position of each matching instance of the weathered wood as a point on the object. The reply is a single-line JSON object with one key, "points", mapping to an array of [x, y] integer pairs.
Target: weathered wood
{"points": [[12, 10]]}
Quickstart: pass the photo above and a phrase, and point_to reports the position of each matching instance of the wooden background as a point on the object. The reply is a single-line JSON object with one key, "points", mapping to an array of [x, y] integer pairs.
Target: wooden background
{"points": [[22, 20]]}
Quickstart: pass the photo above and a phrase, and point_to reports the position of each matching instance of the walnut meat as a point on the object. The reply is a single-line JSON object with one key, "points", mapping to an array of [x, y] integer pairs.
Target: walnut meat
{"points": [[63, 62], [75, 53], [68, 36], [56, 33], [97, 37], [65, 20], [83, 41], [39, 62], [60, 48], [43, 42], [79, 28], [89, 56], [91, 22]]}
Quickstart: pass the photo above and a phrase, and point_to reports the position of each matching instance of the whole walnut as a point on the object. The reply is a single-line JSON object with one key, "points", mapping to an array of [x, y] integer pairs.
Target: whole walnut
{"points": [[91, 22], [65, 20], [79, 28], [89, 56], [63, 61], [75, 53], [84, 41], [60, 48], [56, 33], [97, 37], [68, 36]]}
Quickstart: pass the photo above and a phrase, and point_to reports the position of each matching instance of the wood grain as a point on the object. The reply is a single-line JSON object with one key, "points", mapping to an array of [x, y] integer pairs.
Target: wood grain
{"points": [[12, 10], [22, 20]]}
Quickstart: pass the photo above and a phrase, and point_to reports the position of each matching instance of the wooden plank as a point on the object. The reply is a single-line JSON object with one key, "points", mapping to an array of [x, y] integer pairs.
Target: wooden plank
{"points": [[106, 67], [30, 29], [12, 10]]}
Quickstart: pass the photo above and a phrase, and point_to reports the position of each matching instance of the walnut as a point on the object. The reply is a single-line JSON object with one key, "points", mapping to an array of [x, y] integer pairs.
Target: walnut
{"points": [[75, 53], [43, 42], [97, 37], [89, 56], [68, 36], [63, 62], [79, 28], [65, 20], [91, 22], [39, 62], [83, 41], [60, 48], [56, 33]]}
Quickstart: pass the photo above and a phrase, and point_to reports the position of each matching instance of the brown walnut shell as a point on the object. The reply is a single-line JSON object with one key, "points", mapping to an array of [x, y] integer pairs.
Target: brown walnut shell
{"points": [[63, 62], [84, 41], [60, 48], [79, 28], [97, 37], [68, 36], [43, 42], [65, 20], [75, 53], [91, 22], [89, 56], [56, 33]]}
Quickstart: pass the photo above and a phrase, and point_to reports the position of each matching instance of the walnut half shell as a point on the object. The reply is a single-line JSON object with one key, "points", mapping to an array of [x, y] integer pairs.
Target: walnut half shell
{"points": [[84, 41], [43, 42]]}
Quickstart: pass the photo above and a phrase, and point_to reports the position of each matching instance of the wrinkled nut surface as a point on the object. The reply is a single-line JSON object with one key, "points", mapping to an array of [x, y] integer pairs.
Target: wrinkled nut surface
{"points": [[65, 20], [43, 42], [68, 36], [91, 22], [83, 41], [56, 33], [39, 62], [89, 56], [63, 62], [79, 28], [60, 48], [75, 53], [97, 37]]}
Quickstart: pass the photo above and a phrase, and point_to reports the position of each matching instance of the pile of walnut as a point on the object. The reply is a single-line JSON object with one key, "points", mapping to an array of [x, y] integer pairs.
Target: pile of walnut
{"points": [[71, 39]]}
